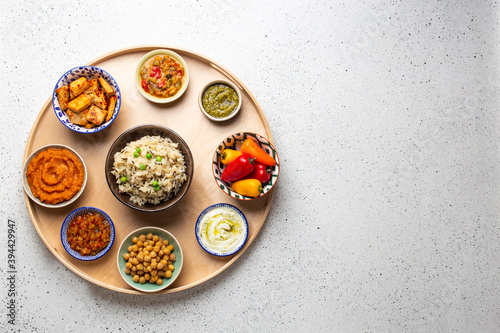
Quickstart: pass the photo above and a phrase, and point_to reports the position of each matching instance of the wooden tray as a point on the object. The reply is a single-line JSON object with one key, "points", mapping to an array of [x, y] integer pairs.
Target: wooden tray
{"points": [[202, 135]]}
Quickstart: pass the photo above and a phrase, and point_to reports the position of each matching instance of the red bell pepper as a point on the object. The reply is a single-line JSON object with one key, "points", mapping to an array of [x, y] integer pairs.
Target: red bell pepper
{"points": [[238, 168], [145, 86], [155, 72], [261, 172]]}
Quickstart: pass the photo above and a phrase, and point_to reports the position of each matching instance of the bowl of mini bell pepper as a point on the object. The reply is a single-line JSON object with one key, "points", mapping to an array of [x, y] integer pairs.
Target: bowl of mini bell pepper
{"points": [[245, 166]]}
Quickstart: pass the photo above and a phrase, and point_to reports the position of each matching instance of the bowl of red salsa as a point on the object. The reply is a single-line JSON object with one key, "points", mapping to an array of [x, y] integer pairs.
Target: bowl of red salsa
{"points": [[162, 76], [87, 233]]}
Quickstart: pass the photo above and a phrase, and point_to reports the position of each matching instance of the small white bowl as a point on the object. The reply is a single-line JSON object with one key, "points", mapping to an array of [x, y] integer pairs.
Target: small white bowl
{"points": [[155, 99], [27, 188], [90, 72], [228, 83]]}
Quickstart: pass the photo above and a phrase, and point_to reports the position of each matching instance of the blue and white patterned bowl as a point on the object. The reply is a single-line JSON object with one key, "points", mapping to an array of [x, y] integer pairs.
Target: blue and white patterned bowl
{"points": [[234, 142], [64, 231], [90, 72]]}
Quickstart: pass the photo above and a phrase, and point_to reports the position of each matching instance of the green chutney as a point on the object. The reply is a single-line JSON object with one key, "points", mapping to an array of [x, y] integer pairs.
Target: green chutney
{"points": [[219, 100]]}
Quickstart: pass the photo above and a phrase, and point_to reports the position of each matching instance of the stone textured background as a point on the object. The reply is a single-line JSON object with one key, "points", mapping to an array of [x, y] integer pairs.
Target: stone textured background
{"points": [[385, 115]]}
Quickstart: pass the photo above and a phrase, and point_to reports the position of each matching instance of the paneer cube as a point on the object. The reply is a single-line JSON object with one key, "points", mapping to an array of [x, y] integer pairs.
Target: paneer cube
{"points": [[96, 115], [63, 97], [93, 84], [99, 99], [79, 104], [106, 87], [78, 118], [78, 86], [111, 107]]}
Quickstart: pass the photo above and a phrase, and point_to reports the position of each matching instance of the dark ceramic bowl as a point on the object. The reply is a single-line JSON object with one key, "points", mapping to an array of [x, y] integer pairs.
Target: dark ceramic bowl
{"points": [[136, 133]]}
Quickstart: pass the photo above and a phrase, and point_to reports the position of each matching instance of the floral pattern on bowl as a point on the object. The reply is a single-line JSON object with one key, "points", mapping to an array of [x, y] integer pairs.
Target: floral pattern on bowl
{"points": [[90, 72]]}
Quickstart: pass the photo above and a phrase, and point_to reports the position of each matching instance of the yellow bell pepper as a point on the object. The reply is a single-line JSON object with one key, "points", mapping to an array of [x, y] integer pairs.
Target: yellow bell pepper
{"points": [[229, 155], [248, 187]]}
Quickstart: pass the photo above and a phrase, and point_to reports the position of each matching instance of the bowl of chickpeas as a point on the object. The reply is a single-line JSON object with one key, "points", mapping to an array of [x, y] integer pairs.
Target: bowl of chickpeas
{"points": [[149, 259]]}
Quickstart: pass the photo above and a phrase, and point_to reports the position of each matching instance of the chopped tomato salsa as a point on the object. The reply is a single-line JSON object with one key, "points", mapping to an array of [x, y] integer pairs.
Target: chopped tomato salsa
{"points": [[88, 234]]}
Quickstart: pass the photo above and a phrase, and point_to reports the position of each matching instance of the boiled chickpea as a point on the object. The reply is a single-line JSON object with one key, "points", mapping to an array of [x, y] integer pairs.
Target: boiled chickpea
{"points": [[149, 259]]}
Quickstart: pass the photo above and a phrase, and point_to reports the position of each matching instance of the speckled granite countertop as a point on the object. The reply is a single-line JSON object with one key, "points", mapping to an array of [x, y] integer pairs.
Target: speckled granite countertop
{"points": [[385, 115]]}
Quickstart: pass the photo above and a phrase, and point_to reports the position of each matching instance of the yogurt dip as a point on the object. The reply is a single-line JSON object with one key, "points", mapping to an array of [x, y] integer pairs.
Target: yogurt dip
{"points": [[221, 229]]}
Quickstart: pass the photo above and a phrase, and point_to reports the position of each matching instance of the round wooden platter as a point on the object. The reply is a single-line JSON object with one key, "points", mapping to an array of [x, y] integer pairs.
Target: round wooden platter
{"points": [[203, 137]]}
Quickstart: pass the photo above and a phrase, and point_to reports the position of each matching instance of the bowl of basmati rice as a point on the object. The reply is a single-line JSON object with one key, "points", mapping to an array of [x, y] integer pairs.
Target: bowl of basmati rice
{"points": [[149, 168]]}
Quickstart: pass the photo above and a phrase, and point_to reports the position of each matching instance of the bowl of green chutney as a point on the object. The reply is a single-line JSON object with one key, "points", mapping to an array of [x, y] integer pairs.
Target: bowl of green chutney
{"points": [[220, 100]]}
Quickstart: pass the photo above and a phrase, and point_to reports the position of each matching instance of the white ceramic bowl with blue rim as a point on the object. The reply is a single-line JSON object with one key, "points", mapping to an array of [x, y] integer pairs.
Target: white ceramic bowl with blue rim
{"points": [[64, 231], [239, 244], [90, 72]]}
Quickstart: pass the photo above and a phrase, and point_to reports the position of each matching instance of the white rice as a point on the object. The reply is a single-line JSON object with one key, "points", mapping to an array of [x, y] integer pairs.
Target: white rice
{"points": [[170, 172]]}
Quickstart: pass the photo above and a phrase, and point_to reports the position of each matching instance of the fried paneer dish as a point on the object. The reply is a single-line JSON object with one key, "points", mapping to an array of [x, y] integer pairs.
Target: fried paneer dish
{"points": [[87, 103]]}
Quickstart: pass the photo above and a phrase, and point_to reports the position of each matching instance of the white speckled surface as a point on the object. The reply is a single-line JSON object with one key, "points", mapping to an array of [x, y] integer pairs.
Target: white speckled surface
{"points": [[386, 119]]}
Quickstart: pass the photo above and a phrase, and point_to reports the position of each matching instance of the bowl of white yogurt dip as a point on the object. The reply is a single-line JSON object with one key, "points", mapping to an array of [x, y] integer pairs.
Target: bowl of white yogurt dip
{"points": [[221, 229]]}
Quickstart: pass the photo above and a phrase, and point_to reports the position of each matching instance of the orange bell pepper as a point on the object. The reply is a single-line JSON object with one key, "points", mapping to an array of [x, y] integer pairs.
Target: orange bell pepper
{"points": [[248, 187], [252, 148]]}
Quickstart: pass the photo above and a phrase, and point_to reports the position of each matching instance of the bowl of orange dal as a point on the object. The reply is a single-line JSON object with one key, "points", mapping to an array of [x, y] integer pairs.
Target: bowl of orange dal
{"points": [[54, 176]]}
